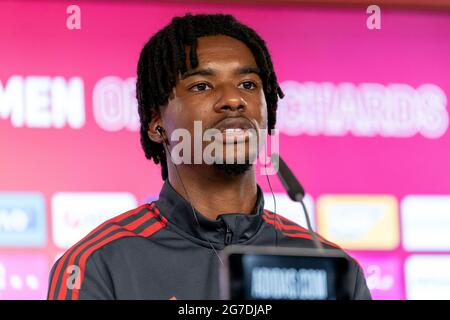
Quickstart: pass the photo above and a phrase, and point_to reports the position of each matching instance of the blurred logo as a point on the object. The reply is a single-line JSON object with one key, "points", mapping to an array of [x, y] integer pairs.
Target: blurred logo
{"points": [[359, 221], [76, 214], [22, 219], [383, 275], [426, 223], [23, 276], [377, 280]]}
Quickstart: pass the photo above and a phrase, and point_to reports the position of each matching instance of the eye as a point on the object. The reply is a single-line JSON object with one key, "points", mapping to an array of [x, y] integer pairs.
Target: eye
{"points": [[199, 87], [249, 85]]}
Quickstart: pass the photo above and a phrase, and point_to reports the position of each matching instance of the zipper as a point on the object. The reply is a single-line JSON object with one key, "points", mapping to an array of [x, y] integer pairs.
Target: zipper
{"points": [[228, 237]]}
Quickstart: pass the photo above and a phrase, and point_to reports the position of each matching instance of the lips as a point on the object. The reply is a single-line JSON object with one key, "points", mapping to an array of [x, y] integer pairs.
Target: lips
{"points": [[235, 130], [234, 124]]}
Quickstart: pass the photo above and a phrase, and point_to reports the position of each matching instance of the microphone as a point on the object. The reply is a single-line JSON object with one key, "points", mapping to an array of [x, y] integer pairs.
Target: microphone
{"points": [[295, 191], [293, 188]]}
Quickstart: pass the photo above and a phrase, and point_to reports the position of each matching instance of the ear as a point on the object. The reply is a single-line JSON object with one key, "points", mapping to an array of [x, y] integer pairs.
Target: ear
{"points": [[152, 133]]}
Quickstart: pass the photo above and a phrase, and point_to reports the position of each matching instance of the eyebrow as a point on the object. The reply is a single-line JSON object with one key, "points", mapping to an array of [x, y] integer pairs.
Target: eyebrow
{"points": [[210, 72]]}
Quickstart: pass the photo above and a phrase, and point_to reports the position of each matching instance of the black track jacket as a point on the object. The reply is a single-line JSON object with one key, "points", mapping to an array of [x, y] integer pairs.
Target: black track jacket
{"points": [[158, 251]]}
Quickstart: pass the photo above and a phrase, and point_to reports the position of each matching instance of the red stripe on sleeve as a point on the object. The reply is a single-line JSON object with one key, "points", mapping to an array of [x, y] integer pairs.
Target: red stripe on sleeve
{"points": [[84, 242], [146, 232]]}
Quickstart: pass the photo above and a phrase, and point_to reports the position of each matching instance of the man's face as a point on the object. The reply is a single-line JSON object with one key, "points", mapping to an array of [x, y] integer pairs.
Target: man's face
{"points": [[223, 92]]}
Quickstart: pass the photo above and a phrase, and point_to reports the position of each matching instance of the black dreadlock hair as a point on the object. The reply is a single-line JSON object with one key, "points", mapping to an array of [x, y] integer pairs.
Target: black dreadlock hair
{"points": [[163, 57]]}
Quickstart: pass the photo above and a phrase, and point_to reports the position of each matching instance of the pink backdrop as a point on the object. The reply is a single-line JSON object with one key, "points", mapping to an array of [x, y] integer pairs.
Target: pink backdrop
{"points": [[307, 44]]}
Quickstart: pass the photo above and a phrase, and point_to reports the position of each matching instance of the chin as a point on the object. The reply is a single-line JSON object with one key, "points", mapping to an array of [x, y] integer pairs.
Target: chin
{"points": [[233, 169], [240, 163]]}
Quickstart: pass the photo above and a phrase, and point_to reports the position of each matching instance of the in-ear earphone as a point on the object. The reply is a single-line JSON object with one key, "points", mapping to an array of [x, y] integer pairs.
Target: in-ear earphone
{"points": [[160, 130]]}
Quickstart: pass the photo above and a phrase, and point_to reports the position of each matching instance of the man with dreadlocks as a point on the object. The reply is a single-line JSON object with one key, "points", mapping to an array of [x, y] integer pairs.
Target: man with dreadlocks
{"points": [[207, 68]]}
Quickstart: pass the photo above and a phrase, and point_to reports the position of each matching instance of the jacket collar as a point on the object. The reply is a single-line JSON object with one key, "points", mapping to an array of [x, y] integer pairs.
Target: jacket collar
{"points": [[229, 228]]}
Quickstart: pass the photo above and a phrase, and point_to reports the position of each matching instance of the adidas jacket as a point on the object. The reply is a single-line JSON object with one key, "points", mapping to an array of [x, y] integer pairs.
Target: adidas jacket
{"points": [[158, 251]]}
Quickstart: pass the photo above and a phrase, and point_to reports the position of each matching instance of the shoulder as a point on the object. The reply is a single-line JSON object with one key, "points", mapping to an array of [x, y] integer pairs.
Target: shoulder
{"points": [[292, 230], [141, 222]]}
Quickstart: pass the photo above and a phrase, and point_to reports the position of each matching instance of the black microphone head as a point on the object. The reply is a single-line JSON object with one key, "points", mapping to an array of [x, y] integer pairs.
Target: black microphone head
{"points": [[292, 186]]}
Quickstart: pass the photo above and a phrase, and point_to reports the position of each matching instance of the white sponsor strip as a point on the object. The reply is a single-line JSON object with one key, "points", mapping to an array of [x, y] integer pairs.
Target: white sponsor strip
{"points": [[426, 223], [427, 277], [76, 214]]}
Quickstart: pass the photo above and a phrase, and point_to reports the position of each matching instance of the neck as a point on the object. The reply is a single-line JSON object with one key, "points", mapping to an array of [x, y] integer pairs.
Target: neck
{"points": [[213, 192]]}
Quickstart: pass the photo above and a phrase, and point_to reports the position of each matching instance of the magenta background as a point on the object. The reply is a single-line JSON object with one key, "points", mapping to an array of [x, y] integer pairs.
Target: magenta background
{"points": [[22, 265], [390, 265], [306, 43]]}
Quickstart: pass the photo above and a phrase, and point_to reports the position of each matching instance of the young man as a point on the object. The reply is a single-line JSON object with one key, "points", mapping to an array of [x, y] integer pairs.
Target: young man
{"points": [[212, 69]]}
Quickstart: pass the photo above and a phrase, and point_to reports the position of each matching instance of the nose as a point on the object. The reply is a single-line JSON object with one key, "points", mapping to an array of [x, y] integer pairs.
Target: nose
{"points": [[230, 100]]}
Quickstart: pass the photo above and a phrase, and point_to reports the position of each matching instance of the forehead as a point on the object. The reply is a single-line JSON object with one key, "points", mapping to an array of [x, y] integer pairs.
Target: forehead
{"points": [[222, 50]]}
